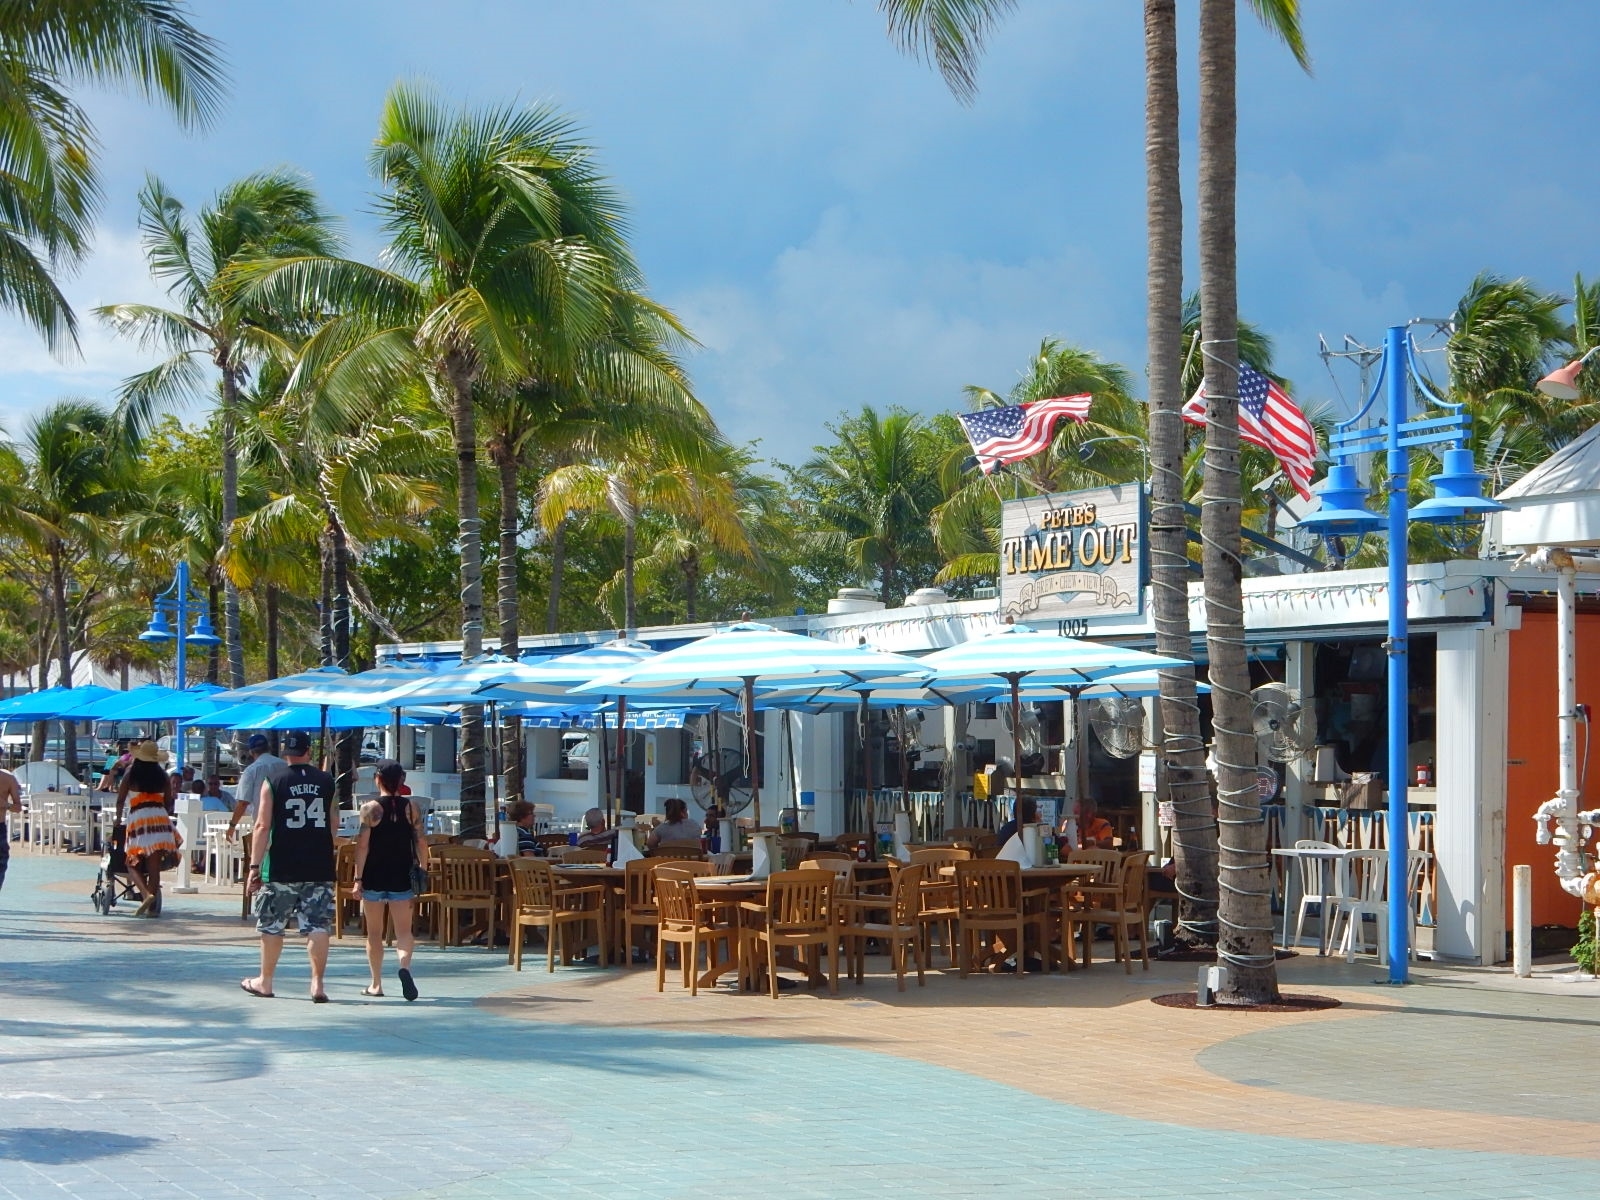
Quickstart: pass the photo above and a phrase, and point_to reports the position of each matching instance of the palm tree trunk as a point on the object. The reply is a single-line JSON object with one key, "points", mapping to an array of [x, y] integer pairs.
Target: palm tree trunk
{"points": [[463, 424], [228, 411], [511, 764], [63, 621], [345, 751], [1244, 910], [630, 551], [272, 630], [691, 586], [208, 752], [325, 608], [1195, 830], [558, 567]]}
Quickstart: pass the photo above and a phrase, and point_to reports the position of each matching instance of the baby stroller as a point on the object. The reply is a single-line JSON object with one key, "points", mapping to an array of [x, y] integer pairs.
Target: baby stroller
{"points": [[113, 883]]}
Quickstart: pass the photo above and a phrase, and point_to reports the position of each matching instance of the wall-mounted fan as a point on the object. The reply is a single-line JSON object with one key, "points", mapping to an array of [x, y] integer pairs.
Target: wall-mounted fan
{"points": [[718, 772], [1118, 723], [1286, 727]]}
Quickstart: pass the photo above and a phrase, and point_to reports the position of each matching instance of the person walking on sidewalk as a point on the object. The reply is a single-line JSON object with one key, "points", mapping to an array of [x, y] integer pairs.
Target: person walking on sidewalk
{"points": [[391, 843], [150, 839], [291, 863], [10, 802]]}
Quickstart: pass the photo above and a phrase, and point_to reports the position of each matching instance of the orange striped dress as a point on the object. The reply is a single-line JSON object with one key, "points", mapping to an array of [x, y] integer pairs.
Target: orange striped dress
{"points": [[149, 830]]}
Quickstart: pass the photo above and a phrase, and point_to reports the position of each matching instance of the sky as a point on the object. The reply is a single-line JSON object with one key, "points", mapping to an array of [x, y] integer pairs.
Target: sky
{"points": [[837, 230]]}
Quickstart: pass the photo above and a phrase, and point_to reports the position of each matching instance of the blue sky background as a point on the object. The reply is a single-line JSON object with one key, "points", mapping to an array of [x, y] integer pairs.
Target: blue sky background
{"points": [[838, 230]]}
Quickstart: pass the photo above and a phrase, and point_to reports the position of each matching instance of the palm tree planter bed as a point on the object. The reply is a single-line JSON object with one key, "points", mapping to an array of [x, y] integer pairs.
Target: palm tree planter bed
{"points": [[1284, 1003]]}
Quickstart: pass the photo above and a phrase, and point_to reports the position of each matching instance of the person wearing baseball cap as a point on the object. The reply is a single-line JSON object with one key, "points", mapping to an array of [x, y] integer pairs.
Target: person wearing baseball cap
{"points": [[261, 762], [292, 865]]}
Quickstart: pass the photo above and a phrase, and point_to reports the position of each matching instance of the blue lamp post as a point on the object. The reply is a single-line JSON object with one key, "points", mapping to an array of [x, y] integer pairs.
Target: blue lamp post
{"points": [[1458, 498], [173, 606]]}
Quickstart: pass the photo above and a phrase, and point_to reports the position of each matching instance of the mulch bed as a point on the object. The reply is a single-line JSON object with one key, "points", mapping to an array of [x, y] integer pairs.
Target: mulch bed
{"points": [[1285, 1004]]}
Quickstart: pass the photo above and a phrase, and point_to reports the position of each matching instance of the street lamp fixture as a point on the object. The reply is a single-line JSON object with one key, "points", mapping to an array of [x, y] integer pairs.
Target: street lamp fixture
{"points": [[1562, 383], [169, 621], [1458, 498]]}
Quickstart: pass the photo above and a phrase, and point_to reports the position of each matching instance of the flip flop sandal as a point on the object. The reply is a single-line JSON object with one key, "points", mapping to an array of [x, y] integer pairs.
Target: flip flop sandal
{"points": [[320, 998], [408, 986], [370, 991], [245, 985]]}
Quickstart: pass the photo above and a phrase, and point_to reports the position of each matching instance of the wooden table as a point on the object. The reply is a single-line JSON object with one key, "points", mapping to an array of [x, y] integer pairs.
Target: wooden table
{"points": [[1054, 873], [730, 890], [611, 878]]}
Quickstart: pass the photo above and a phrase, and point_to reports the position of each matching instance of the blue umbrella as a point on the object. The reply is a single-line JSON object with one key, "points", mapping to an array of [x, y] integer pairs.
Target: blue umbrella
{"points": [[306, 717], [108, 707], [193, 701], [52, 703], [233, 716]]}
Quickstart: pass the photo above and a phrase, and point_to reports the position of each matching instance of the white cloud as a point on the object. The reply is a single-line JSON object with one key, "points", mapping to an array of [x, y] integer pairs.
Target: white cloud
{"points": [[836, 322], [31, 377]]}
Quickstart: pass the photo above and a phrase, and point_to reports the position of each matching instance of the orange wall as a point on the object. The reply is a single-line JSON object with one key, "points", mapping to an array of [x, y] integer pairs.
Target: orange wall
{"points": [[1531, 772]]}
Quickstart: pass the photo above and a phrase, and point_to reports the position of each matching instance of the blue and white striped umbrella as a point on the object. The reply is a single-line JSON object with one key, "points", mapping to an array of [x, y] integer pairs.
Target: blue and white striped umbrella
{"points": [[273, 691], [639, 718], [554, 678], [745, 654], [988, 667], [454, 685], [355, 691]]}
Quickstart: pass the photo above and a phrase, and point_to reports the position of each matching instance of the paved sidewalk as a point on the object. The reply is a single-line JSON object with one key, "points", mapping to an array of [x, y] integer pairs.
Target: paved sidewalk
{"points": [[131, 1065]]}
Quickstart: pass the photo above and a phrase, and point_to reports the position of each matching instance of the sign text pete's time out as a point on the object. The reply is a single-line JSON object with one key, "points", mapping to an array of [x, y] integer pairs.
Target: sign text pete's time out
{"points": [[1073, 555]]}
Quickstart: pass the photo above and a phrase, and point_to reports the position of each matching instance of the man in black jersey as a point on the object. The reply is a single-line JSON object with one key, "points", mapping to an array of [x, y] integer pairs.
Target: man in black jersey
{"points": [[291, 863]]}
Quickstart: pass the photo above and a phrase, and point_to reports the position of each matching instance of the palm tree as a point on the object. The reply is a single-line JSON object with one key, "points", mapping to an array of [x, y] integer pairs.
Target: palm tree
{"points": [[1244, 912], [951, 33], [638, 479], [76, 480], [505, 251], [875, 489], [267, 215], [49, 190]]}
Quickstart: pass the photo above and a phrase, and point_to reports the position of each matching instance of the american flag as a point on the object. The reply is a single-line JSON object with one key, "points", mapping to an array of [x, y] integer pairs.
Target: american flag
{"points": [[1003, 435], [1269, 419]]}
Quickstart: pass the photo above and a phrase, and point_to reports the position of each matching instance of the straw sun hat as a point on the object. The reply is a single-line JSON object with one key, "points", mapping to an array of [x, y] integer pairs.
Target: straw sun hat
{"points": [[148, 751]]}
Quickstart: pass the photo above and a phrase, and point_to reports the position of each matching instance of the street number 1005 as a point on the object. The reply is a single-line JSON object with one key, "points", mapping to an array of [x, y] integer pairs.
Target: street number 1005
{"points": [[1075, 627]]}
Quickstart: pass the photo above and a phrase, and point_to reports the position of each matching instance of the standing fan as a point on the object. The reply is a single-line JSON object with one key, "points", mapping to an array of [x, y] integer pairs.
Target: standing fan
{"points": [[718, 774], [1286, 728], [1118, 721], [1029, 740]]}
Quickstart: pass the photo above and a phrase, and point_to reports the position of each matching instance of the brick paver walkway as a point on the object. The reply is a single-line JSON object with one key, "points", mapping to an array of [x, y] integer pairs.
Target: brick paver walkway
{"points": [[131, 1065]]}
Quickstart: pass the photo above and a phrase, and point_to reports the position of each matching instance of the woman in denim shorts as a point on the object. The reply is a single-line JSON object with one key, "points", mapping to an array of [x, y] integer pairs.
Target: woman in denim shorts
{"points": [[391, 841]]}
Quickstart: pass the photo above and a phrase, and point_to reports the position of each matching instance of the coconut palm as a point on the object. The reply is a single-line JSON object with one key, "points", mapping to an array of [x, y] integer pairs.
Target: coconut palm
{"points": [[76, 480], [49, 190], [1244, 911], [873, 491], [505, 252], [641, 477], [267, 215], [951, 33]]}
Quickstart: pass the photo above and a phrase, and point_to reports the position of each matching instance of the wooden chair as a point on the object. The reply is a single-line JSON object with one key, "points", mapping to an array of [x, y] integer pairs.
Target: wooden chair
{"points": [[575, 856], [463, 881], [679, 852], [902, 930], [1078, 895], [798, 914], [687, 922], [821, 855], [851, 843], [440, 839], [538, 901], [939, 894], [345, 903], [990, 900], [1123, 906], [637, 907]]}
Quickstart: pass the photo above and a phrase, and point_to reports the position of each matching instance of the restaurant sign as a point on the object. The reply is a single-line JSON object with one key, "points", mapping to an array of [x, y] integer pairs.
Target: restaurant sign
{"points": [[1074, 556]]}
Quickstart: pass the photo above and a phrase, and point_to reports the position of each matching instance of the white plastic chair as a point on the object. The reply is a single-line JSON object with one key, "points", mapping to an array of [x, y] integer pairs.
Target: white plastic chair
{"points": [[1368, 875], [222, 855], [71, 827], [1322, 882]]}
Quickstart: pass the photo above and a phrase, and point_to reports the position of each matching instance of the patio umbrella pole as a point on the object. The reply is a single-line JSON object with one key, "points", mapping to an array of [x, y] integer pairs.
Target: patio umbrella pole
{"points": [[750, 745], [794, 769], [864, 719], [494, 764], [1016, 744], [622, 753]]}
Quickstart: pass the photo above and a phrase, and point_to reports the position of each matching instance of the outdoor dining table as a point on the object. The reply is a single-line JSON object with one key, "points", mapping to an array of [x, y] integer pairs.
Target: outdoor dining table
{"points": [[1328, 856]]}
